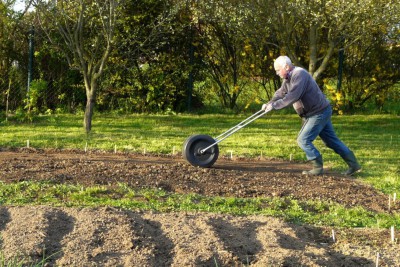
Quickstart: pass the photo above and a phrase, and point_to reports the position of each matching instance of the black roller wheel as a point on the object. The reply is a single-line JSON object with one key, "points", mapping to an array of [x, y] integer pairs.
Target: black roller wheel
{"points": [[192, 147]]}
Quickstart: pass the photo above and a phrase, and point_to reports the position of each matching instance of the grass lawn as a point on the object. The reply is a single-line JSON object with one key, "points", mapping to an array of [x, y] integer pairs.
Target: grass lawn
{"points": [[375, 139]]}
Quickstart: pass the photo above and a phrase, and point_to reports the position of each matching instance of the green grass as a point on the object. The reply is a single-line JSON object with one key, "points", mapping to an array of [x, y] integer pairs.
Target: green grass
{"points": [[311, 212], [375, 139], [20, 261]]}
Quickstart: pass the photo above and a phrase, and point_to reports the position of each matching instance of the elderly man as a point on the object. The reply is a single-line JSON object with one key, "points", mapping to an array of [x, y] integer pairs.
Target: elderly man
{"points": [[300, 90]]}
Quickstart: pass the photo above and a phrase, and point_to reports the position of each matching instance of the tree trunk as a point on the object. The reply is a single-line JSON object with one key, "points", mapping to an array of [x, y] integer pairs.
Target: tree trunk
{"points": [[313, 40], [90, 102], [87, 121], [325, 61]]}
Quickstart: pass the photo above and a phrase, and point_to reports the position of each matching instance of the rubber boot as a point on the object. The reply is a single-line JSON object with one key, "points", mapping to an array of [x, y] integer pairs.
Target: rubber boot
{"points": [[354, 166], [318, 167]]}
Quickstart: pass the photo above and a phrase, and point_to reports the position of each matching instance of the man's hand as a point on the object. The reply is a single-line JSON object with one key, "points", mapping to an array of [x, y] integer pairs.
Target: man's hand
{"points": [[267, 107]]}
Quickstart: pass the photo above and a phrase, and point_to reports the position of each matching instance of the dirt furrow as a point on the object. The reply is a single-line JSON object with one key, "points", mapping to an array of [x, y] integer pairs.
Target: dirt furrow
{"points": [[111, 237]]}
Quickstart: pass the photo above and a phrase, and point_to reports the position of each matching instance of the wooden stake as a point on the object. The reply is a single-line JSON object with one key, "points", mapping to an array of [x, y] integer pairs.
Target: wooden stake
{"points": [[27, 143], [392, 234], [290, 157], [144, 151], [115, 149], [333, 236], [377, 259], [173, 150], [86, 147], [394, 198]]}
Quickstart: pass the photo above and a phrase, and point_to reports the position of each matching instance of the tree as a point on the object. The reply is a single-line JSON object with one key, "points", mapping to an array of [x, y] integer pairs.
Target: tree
{"points": [[87, 29], [371, 69], [12, 54], [152, 57], [314, 30], [227, 46]]}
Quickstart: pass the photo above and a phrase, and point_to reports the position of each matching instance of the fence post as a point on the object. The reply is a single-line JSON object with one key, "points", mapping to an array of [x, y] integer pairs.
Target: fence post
{"points": [[31, 34], [340, 70]]}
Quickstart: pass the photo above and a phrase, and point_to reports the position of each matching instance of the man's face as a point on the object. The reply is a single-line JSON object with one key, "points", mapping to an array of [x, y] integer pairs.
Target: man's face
{"points": [[281, 71]]}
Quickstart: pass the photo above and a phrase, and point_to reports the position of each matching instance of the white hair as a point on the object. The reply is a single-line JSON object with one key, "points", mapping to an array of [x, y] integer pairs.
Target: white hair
{"points": [[282, 62]]}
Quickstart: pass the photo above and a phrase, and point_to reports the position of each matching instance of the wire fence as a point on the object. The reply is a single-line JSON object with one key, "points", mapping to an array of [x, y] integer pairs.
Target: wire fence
{"points": [[42, 95], [13, 88], [38, 79]]}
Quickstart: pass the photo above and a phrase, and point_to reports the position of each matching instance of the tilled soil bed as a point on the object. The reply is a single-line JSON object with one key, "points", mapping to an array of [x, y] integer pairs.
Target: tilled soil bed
{"points": [[111, 237]]}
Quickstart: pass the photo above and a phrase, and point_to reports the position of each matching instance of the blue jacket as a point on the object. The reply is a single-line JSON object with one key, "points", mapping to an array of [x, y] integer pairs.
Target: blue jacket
{"points": [[300, 90]]}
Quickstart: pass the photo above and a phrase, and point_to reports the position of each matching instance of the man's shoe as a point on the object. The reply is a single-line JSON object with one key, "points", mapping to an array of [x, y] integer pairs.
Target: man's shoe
{"points": [[354, 166], [351, 171], [318, 167]]}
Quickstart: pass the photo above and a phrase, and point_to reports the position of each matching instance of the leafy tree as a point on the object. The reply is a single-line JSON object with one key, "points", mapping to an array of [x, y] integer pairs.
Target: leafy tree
{"points": [[228, 49], [371, 68], [265, 49], [13, 55], [152, 60], [313, 30], [157, 49], [87, 30], [65, 88]]}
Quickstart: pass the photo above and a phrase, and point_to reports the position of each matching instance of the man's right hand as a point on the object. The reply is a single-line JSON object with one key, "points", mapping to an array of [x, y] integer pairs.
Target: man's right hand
{"points": [[267, 107]]}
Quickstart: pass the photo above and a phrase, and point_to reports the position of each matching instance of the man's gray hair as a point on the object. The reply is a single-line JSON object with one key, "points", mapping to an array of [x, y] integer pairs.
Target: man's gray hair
{"points": [[283, 61]]}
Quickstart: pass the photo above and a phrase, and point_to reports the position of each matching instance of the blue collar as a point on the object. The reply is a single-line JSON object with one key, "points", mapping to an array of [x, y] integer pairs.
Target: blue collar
{"points": [[289, 75]]}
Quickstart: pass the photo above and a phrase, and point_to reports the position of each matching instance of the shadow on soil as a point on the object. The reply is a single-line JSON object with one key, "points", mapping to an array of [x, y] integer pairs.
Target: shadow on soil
{"points": [[314, 237], [151, 237], [60, 224], [241, 241], [4, 220]]}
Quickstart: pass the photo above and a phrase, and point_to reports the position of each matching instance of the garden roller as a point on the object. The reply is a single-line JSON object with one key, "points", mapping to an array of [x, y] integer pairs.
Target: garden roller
{"points": [[202, 150]]}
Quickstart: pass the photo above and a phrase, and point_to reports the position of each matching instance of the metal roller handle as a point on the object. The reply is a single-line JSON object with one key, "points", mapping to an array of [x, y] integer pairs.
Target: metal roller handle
{"points": [[236, 128]]}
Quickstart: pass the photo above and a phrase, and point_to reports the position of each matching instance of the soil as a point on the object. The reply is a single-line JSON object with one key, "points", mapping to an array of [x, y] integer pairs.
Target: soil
{"points": [[117, 237]]}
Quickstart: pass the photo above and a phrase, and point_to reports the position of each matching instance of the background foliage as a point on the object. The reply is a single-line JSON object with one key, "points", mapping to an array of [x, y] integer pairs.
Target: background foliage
{"points": [[185, 55]]}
